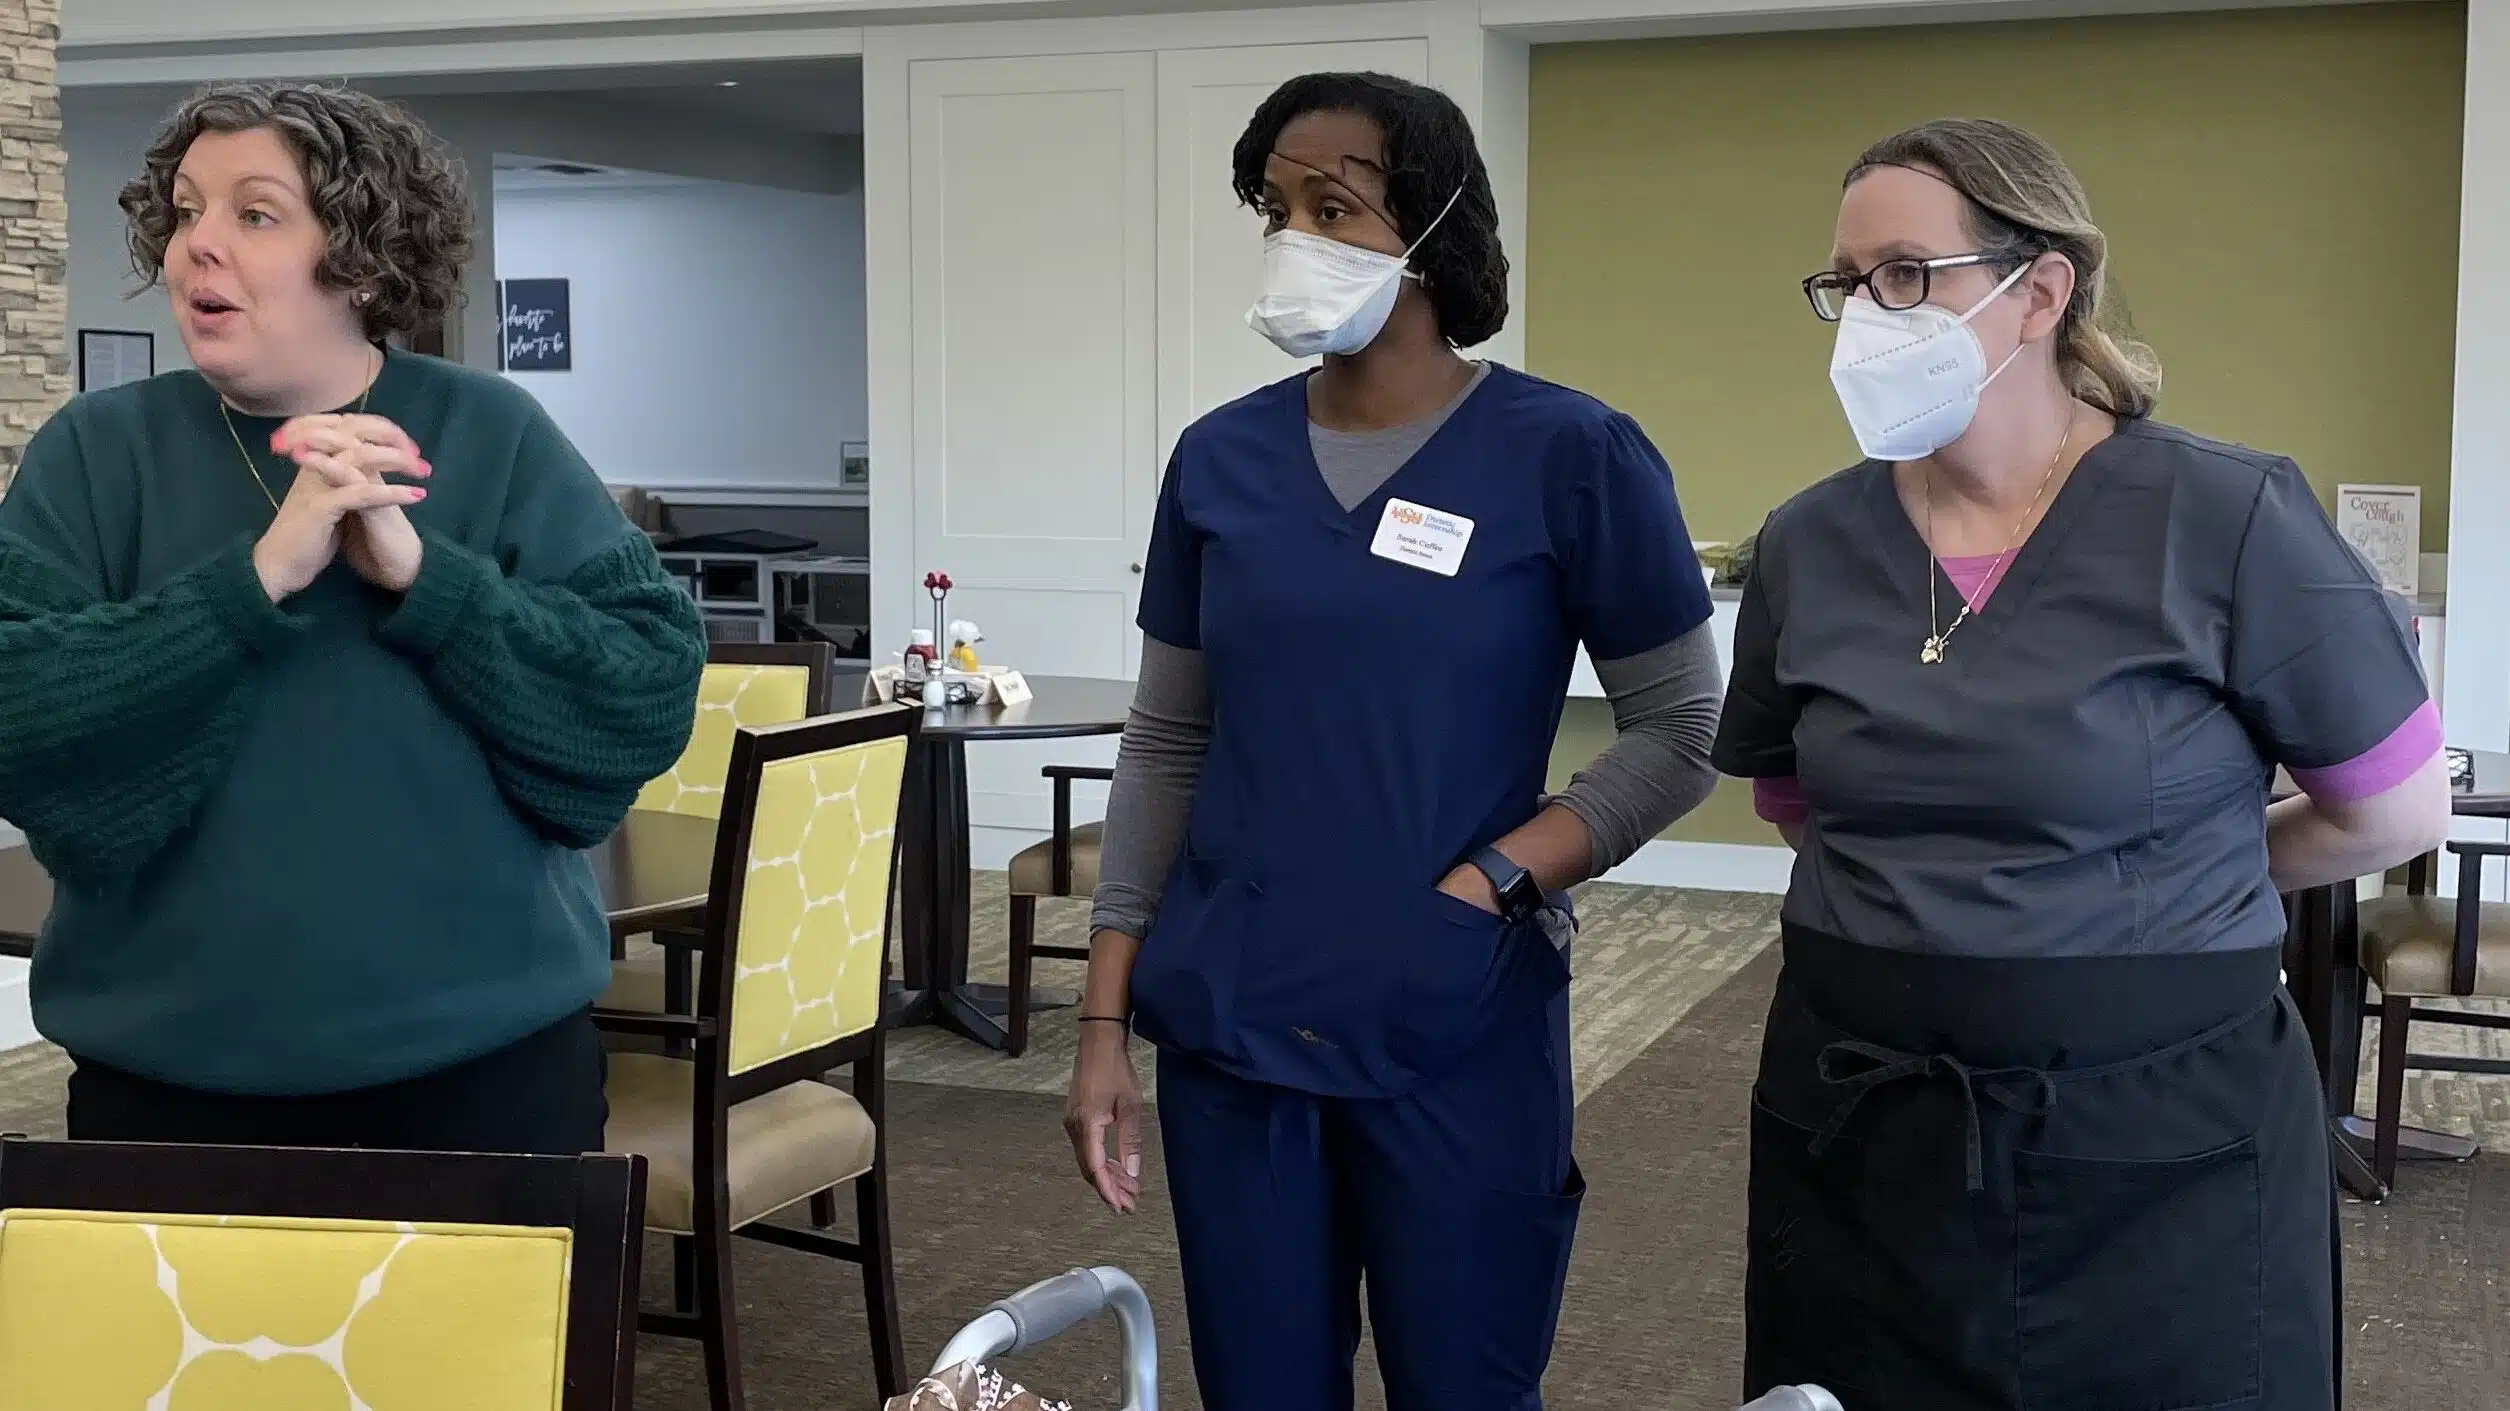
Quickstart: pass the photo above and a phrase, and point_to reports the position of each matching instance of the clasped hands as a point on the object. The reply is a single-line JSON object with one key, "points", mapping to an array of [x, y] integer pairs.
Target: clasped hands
{"points": [[342, 504]]}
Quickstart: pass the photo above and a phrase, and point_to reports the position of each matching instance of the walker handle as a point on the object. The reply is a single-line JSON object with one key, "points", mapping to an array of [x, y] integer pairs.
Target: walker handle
{"points": [[1051, 1307], [1047, 1309]]}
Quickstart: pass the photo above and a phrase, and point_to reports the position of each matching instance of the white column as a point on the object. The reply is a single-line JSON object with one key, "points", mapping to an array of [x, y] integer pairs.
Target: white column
{"points": [[470, 338], [2475, 683]]}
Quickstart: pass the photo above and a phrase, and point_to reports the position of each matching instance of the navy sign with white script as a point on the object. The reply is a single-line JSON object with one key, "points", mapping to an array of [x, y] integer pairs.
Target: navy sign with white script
{"points": [[539, 336]]}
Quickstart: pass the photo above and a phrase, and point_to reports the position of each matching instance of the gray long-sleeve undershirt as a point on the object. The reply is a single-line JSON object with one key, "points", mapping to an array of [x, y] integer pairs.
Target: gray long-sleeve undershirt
{"points": [[1664, 714], [1664, 710]]}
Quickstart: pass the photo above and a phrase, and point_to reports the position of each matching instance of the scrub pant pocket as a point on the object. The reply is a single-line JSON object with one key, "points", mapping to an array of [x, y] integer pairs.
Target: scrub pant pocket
{"points": [[2139, 1285], [1464, 1289]]}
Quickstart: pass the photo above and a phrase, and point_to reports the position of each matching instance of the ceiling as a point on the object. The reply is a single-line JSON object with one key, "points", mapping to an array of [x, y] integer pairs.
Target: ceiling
{"points": [[821, 97]]}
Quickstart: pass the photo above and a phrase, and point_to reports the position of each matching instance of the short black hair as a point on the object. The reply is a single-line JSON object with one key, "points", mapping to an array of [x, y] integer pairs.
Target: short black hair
{"points": [[1430, 157]]}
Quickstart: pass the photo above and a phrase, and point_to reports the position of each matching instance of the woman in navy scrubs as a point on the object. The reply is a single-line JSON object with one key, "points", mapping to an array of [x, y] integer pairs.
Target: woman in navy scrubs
{"points": [[2036, 1125], [1329, 831]]}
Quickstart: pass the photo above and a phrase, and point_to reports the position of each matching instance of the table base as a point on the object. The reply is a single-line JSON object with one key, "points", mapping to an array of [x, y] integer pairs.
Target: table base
{"points": [[2413, 1143], [2354, 1175], [971, 1011]]}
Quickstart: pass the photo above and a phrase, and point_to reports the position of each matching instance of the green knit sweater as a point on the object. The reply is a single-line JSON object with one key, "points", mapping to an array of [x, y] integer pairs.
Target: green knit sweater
{"points": [[332, 843]]}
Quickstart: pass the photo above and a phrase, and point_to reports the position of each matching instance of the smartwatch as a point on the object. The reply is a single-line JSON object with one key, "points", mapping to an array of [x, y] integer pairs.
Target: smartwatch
{"points": [[1520, 896]]}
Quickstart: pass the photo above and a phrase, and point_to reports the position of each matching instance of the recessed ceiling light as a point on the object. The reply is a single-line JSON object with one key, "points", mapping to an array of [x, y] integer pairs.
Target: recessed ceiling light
{"points": [[728, 83]]}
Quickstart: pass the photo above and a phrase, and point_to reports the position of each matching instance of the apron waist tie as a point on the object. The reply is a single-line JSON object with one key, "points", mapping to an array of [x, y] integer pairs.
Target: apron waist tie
{"points": [[1856, 1068]]}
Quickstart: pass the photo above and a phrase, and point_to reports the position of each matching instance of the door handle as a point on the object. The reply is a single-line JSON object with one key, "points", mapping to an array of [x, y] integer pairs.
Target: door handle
{"points": [[1137, 568]]}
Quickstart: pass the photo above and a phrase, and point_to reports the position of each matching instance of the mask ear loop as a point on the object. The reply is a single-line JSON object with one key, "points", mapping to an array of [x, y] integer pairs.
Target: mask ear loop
{"points": [[1992, 296], [1415, 246], [1998, 292]]}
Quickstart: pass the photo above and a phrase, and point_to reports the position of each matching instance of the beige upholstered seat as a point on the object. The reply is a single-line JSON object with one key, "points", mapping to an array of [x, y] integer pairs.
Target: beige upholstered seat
{"points": [[1033, 870], [2408, 943], [636, 983], [786, 1145], [2410, 947]]}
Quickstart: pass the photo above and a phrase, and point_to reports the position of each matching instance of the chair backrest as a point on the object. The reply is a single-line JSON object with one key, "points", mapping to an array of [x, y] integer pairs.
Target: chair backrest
{"points": [[247, 1277], [805, 865], [747, 685]]}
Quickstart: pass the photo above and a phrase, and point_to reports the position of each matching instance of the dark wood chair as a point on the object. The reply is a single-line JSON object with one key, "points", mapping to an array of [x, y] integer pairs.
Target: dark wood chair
{"points": [[747, 684], [789, 987], [2417, 946], [407, 1278], [1065, 865]]}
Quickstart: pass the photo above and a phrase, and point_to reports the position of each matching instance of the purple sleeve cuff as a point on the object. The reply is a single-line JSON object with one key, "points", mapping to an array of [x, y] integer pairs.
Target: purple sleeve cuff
{"points": [[2381, 767], [1779, 801]]}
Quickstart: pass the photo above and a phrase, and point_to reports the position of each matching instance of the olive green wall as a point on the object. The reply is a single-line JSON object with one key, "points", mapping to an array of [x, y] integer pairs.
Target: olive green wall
{"points": [[2280, 189]]}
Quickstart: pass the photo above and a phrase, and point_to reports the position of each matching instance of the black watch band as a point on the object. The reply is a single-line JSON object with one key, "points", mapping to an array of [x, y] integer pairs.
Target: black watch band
{"points": [[1520, 896]]}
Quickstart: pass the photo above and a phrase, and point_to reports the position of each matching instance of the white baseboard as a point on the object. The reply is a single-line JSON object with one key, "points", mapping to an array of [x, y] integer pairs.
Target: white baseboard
{"points": [[1708, 867], [17, 1018]]}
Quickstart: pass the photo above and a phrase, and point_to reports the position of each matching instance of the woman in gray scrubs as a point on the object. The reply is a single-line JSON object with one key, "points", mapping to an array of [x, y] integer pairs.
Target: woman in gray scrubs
{"points": [[2035, 1124]]}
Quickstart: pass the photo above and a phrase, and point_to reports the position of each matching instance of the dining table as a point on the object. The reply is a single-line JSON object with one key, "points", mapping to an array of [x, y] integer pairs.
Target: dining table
{"points": [[934, 904], [2323, 970]]}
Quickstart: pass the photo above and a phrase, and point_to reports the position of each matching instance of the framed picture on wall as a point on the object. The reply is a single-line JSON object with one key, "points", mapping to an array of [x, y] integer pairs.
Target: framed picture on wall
{"points": [[539, 333], [109, 357], [2385, 523], [854, 465]]}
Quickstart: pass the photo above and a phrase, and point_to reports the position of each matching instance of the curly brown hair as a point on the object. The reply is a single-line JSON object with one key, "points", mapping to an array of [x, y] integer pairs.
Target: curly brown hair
{"points": [[390, 194]]}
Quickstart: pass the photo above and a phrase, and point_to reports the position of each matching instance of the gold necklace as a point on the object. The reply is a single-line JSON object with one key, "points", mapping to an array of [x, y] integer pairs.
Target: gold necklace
{"points": [[1933, 651], [252, 471]]}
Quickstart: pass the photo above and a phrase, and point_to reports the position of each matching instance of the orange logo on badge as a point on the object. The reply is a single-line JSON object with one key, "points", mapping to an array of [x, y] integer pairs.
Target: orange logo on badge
{"points": [[1403, 514]]}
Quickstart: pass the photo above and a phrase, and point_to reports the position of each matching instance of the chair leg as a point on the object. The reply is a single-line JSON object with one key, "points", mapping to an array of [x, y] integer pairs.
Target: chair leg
{"points": [[880, 1277], [2395, 1015], [1023, 963], [679, 992], [823, 1210], [683, 1274], [719, 1331]]}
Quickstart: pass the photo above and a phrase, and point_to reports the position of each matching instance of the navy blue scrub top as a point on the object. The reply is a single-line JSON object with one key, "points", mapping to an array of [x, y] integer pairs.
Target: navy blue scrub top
{"points": [[1375, 723], [2086, 771]]}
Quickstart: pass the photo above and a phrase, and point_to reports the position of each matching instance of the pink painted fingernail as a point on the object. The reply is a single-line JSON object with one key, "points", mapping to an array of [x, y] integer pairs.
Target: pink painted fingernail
{"points": [[278, 440], [417, 494]]}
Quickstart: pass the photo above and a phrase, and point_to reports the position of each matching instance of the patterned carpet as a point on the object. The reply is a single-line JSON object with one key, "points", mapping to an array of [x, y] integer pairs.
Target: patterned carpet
{"points": [[1644, 956]]}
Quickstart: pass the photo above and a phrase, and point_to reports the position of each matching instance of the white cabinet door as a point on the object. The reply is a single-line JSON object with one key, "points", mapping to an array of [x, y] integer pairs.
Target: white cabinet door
{"points": [[1036, 456], [1211, 248]]}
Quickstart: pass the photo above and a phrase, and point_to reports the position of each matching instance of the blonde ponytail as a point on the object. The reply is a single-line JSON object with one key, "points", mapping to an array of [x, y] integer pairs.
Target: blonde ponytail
{"points": [[2120, 376], [2024, 202]]}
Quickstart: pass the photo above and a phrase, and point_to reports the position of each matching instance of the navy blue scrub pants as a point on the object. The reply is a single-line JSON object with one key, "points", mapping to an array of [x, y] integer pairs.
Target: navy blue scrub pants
{"points": [[1457, 1202]]}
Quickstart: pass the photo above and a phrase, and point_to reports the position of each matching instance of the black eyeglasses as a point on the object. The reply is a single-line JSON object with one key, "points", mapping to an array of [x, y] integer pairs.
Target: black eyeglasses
{"points": [[1894, 284]]}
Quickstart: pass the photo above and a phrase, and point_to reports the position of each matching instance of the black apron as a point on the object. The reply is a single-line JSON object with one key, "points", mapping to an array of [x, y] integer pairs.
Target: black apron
{"points": [[2095, 1184]]}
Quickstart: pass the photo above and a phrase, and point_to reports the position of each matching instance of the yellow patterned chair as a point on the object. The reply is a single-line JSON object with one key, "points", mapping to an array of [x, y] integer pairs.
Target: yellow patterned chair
{"points": [[747, 685], [202, 1278], [789, 987]]}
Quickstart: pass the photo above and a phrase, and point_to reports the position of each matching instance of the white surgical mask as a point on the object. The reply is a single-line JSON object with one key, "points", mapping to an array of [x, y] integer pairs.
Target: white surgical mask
{"points": [[1321, 296], [1909, 379]]}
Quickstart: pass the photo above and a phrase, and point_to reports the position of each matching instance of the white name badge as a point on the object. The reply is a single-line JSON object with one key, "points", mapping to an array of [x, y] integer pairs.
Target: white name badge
{"points": [[1422, 537]]}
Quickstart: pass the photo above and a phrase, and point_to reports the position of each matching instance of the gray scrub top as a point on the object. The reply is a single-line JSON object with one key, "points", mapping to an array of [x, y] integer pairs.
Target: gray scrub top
{"points": [[2086, 770]]}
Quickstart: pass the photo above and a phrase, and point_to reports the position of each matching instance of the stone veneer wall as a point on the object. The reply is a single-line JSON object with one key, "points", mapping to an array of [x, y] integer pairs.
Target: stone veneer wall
{"points": [[34, 229]]}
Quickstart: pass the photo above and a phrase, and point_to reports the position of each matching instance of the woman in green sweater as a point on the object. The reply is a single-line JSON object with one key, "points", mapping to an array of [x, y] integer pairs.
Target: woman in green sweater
{"points": [[323, 663]]}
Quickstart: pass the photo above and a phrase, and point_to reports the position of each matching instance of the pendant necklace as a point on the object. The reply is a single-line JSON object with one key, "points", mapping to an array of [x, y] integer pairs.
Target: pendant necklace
{"points": [[253, 470], [1937, 636]]}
